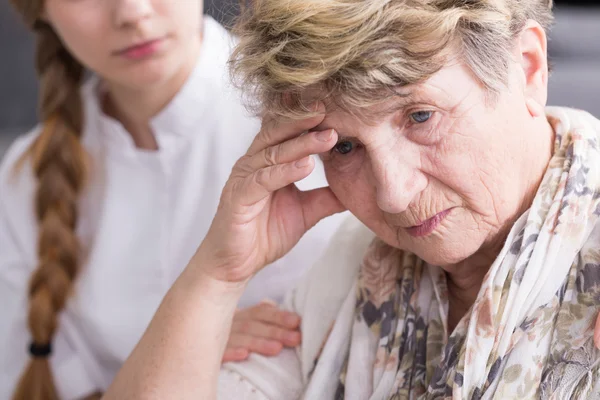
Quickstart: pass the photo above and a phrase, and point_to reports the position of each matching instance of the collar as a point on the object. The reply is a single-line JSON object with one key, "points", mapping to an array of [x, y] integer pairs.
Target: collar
{"points": [[193, 104]]}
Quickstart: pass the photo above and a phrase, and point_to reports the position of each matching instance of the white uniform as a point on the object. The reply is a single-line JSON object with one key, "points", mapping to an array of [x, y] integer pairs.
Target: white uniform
{"points": [[141, 219]]}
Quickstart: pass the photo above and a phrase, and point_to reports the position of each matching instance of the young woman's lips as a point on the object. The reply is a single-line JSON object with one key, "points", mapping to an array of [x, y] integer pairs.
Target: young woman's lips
{"points": [[428, 226], [142, 50]]}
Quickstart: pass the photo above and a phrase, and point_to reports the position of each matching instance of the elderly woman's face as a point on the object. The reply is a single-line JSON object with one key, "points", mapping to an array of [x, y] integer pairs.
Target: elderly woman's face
{"points": [[442, 176]]}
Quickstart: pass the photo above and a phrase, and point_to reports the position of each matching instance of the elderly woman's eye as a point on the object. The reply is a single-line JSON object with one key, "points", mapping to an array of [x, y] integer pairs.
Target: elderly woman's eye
{"points": [[420, 117], [344, 147]]}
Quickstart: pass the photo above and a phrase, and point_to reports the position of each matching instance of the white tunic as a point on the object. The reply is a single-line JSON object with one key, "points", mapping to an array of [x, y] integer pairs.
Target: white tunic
{"points": [[141, 219]]}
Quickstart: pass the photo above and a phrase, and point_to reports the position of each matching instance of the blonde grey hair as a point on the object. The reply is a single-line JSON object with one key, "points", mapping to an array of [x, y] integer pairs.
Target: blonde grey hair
{"points": [[353, 52]]}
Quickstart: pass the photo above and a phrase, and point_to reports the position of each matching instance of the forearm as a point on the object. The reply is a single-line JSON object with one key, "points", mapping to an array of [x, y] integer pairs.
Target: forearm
{"points": [[180, 354]]}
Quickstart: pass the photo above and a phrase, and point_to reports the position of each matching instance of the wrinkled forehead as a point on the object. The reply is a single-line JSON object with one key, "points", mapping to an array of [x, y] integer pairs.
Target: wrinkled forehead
{"points": [[349, 118], [446, 89], [352, 123]]}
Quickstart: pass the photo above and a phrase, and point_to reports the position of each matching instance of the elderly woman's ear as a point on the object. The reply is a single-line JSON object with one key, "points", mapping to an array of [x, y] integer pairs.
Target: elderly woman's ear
{"points": [[532, 56]]}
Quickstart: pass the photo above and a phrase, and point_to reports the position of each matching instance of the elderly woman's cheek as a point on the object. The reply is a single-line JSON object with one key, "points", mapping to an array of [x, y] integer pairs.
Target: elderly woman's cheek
{"points": [[348, 188], [343, 172]]}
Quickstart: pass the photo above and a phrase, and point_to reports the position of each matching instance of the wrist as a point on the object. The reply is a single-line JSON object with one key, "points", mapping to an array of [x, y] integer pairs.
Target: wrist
{"points": [[207, 271], [232, 270], [196, 291]]}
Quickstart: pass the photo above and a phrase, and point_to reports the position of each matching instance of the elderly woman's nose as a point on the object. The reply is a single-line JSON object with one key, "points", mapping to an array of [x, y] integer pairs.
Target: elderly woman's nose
{"points": [[396, 183], [129, 13]]}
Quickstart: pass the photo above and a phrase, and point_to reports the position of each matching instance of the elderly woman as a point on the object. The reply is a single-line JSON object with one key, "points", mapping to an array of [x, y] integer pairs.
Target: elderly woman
{"points": [[480, 278]]}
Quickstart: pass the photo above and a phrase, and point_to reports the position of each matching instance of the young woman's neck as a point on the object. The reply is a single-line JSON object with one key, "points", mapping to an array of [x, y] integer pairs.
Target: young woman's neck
{"points": [[134, 108]]}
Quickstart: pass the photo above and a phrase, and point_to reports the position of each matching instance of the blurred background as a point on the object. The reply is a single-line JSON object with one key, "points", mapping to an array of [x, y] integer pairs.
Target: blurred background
{"points": [[574, 49]]}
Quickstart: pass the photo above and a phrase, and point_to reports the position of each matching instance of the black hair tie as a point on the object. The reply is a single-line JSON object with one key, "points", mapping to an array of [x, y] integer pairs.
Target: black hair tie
{"points": [[40, 351]]}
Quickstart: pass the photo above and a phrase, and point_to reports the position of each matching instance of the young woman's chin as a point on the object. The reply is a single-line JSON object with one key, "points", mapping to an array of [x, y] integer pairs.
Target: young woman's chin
{"points": [[147, 73]]}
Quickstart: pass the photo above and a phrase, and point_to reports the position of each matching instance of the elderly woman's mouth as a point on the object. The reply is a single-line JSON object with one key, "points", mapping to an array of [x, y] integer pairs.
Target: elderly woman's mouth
{"points": [[428, 226]]}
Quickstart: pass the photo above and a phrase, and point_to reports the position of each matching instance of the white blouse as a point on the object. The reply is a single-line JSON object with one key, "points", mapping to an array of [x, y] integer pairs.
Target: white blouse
{"points": [[141, 219]]}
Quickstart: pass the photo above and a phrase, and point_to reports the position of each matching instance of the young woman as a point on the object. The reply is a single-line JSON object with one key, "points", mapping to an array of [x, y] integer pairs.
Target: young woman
{"points": [[104, 204]]}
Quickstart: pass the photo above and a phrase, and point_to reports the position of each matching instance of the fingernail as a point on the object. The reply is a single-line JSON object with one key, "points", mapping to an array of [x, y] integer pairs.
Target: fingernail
{"points": [[292, 336], [291, 319], [324, 136], [303, 163], [273, 346]]}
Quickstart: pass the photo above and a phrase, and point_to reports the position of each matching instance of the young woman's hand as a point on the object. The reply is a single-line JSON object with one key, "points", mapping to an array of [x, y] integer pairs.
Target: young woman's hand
{"points": [[262, 214], [264, 329]]}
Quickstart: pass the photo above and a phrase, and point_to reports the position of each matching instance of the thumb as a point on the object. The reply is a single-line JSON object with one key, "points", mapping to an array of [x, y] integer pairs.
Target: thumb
{"points": [[269, 302], [318, 204]]}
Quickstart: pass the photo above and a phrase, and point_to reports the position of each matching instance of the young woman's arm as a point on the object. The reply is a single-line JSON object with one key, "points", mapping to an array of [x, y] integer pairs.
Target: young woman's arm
{"points": [[262, 215]]}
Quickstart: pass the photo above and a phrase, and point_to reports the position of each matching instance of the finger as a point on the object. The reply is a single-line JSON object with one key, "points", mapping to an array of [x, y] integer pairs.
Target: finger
{"points": [[235, 354], [264, 330], [275, 130], [251, 312], [292, 150], [255, 344], [268, 302], [318, 204], [275, 316], [265, 181], [597, 332]]}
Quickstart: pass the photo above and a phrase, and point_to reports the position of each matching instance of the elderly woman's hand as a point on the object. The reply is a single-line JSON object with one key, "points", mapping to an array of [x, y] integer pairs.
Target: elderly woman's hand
{"points": [[264, 329], [262, 214]]}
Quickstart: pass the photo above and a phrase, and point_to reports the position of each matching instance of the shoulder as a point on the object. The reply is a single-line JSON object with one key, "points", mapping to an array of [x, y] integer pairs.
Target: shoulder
{"points": [[340, 263], [217, 45], [17, 181], [320, 294], [235, 123], [17, 191], [217, 32], [15, 169], [566, 119]]}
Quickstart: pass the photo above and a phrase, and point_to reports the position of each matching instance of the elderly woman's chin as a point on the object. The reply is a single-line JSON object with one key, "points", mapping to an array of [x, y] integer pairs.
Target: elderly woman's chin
{"points": [[446, 248], [452, 242], [444, 241]]}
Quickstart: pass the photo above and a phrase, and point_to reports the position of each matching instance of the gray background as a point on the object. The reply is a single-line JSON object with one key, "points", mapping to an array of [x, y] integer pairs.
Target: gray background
{"points": [[574, 49]]}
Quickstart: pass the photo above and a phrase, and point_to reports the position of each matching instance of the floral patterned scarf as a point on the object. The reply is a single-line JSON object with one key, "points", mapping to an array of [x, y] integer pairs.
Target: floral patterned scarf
{"points": [[529, 333]]}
